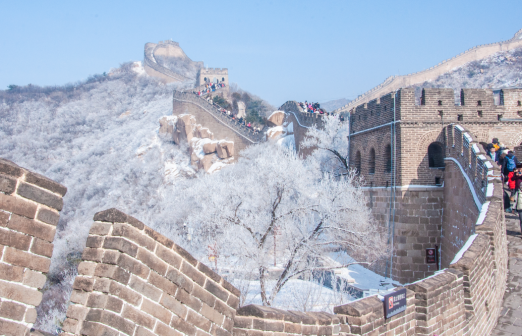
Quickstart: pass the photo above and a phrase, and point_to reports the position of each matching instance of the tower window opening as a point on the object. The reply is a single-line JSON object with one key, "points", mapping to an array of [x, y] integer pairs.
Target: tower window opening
{"points": [[440, 102], [519, 103], [371, 166], [435, 155], [479, 103], [460, 117], [223, 79], [499, 117], [479, 113]]}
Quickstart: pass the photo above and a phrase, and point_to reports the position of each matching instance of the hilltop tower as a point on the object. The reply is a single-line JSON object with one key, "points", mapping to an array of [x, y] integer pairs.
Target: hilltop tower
{"points": [[421, 156], [212, 75]]}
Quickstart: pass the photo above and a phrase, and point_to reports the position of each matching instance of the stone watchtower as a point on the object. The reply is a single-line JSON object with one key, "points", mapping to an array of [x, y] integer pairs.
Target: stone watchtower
{"points": [[400, 144], [212, 75]]}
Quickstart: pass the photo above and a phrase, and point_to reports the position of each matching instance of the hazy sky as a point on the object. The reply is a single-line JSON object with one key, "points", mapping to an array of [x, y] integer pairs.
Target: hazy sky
{"points": [[279, 50]]}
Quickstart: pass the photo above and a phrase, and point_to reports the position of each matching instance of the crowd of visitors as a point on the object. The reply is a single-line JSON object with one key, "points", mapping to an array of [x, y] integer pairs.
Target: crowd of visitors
{"points": [[209, 87], [511, 170], [312, 108], [238, 121]]}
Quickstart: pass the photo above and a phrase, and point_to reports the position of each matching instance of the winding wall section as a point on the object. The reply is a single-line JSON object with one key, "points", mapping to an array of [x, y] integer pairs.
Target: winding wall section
{"points": [[393, 83]]}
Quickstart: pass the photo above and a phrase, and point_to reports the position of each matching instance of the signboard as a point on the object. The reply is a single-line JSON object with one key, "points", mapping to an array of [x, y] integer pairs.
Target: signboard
{"points": [[432, 256], [394, 303]]}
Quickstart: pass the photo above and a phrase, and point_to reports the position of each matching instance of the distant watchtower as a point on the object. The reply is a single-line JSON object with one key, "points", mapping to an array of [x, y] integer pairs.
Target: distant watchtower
{"points": [[212, 75]]}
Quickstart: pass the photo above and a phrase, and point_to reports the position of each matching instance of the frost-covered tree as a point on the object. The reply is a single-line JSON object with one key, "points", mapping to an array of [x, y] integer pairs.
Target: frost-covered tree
{"points": [[275, 216], [331, 145]]}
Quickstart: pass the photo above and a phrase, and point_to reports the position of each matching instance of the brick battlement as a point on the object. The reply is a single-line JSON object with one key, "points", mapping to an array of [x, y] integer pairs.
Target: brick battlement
{"points": [[29, 212]]}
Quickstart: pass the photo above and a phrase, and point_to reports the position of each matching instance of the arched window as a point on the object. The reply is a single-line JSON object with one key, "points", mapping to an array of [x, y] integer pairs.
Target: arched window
{"points": [[388, 158], [358, 162], [436, 155], [205, 79], [371, 163], [223, 79]]}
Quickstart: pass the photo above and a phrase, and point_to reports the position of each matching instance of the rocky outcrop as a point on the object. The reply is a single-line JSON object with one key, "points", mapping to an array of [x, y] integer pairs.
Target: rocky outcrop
{"points": [[276, 118], [205, 152], [225, 149]]}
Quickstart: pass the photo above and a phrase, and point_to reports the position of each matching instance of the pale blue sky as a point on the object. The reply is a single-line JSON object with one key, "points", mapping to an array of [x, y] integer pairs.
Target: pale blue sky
{"points": [[279, 50]]}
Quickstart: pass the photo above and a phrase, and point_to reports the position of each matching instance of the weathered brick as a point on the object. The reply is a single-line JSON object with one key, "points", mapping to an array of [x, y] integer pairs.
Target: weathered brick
{"points": [[11, 273], [112, 320], [158, 237], [43, 248], [233, 301], [209, 272], [134, 222], [7, 184], [179, 279], [4, 218], [114, 304], [96, 300], [76, 312], [10, 168], [198, 321], [79, 296], [94, 241], [13, 328], [110, 256], [203, 295], [144, 288], [228, 324], [140, 331], [111, 215], [70, 326], [25, 259], [230, 288], [132, 265], [152, 261], [122, 245], [15, 239], [212, 314], [102, 285], [39, 195], [192, 273], [124, 293], [48, 216], [156, 310], [32, 227], [137, 316], [100, 229], [128, 231], [12, 310], [223, 309], [17, 206], [83, 283], [187, 256], [34, 279], [168, 256], [96, 329], [173, 305], [188, 300], [113, 272], [30, 315], [16, 292], [164, 330], [45, 183], [92, 254], [217, 290], [186, 328]]}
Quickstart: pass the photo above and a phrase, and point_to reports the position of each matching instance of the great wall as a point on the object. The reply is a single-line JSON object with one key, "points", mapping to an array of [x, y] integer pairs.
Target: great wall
{"points": [[393, 83], [134, 281]]}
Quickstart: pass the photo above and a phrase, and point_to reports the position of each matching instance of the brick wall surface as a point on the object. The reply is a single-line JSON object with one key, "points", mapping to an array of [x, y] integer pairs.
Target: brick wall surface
{"points": [[134, 281], [418, 220], [29, 212]]}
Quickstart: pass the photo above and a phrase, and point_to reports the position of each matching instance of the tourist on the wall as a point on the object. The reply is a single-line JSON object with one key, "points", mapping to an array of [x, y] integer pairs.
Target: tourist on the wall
{"points": [[509, 163], [518, 204]]}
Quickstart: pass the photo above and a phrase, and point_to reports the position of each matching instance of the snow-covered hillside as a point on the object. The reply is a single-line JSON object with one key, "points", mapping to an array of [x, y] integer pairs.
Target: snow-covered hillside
{"points": [[502, 70], [101, 141]]}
